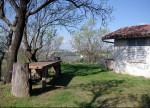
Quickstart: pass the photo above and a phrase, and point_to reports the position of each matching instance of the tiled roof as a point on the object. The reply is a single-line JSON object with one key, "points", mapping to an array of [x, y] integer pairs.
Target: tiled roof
{"points": [[139, 31]]}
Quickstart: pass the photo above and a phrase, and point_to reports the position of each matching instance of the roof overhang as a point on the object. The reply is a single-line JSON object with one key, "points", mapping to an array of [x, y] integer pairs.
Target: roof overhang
{"points": [[140, 31]]}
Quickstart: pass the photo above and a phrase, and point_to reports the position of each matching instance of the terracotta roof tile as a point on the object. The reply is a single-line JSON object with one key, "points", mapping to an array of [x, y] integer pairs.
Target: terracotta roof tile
{"points": [[130, 32]]}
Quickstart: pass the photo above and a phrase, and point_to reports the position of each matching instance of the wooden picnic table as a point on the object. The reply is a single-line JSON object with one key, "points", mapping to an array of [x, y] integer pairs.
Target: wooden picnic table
{"points": [[43, 66]]}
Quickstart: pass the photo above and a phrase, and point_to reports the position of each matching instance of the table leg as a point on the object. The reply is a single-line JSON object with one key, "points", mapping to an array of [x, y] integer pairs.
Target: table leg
{"points": [[30, 81], [44, 76], [57, 68]]}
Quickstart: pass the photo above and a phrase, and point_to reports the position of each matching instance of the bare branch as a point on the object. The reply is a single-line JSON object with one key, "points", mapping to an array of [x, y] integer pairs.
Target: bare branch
{"points": [[4, 28], [14, 5], [2, 8], [40, 7], [37, 36], [26, 39], [75, 4], [2, 14], [9, 38]]}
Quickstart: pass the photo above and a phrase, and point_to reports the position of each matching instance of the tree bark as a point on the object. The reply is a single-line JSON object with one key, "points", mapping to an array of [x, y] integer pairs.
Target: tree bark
{"points": [[20, 80], [1, 60], [11, 58], [14, 47], [31, 55]]}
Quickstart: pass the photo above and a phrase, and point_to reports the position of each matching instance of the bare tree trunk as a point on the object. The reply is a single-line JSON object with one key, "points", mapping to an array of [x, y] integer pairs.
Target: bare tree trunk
{"points": [[20, 80], [31, 55], [14, 47], [29, 52], [34, 56], [1, 60], [11, 58]]}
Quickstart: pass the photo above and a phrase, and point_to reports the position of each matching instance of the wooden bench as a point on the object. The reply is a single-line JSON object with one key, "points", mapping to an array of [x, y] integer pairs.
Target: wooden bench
{"points": [[43, 66]]}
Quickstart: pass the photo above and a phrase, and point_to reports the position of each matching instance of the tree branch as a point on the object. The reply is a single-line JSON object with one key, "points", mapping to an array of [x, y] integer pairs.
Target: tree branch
{"points": [[26, 39], [14, 5], [2, 14], [74, 3], [9, 38], [40, 7]]}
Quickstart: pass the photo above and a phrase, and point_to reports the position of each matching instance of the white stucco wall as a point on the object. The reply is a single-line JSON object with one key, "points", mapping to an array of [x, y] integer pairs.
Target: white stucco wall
{"points": [[127, 65]]}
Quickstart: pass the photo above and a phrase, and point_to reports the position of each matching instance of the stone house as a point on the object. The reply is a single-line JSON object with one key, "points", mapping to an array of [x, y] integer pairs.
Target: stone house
{"points": [[131, 50]]}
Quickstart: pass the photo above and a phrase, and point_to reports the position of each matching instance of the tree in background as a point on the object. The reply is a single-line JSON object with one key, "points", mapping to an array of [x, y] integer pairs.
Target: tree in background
{"points": [[4, 45], [52, 46], [87, 41], [2, 50]]}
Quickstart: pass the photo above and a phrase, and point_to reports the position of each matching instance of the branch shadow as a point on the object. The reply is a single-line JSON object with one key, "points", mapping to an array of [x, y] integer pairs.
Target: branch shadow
{"points": [[117, 101], [39, 90], [145, 101], [98, 88]]}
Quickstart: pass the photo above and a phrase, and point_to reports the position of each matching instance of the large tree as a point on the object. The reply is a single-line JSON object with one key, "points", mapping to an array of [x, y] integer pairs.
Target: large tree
{"points": [[22, 9]]}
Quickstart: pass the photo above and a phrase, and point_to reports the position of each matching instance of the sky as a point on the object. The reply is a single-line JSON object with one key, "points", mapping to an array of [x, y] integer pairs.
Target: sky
{"points": [[125, 13]]}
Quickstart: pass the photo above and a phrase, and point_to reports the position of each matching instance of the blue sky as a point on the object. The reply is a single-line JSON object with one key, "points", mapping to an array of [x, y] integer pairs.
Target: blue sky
{"points": [[125, 13], [129, 12]]}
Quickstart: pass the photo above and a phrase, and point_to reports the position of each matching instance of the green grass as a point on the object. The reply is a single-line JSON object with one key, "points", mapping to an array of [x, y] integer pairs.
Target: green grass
{"points": [[83, 85]]}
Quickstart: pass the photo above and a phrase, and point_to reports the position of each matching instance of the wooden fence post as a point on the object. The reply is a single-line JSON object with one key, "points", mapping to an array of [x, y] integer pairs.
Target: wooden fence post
{"points": [[20, 80]]}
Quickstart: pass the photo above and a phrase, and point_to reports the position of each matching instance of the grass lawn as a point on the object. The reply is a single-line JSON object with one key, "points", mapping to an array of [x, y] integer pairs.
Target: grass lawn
{"points": [[84, 85]]}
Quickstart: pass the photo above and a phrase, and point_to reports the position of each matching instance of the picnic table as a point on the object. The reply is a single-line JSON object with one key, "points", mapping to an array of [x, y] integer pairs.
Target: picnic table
{"points": [[43, 66]]}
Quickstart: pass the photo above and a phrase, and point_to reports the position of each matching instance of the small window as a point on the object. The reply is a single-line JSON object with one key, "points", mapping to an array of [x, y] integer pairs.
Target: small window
{"points": [[136, 52]]}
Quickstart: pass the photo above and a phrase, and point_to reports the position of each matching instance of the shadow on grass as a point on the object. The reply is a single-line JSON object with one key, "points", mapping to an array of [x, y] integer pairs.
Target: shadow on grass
{"points": [[39, 90], [68, 72], [100, 91], [82, 69], [98, 88], [126, 100], [145, 101]]}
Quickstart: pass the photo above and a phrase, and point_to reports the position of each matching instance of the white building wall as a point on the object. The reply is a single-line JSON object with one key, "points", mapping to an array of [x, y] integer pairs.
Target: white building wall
{"points": [[124, 64]]}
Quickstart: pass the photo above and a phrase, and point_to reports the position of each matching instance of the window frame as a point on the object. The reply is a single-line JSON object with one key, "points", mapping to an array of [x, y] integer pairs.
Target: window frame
{"points": [[135, 46]]}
